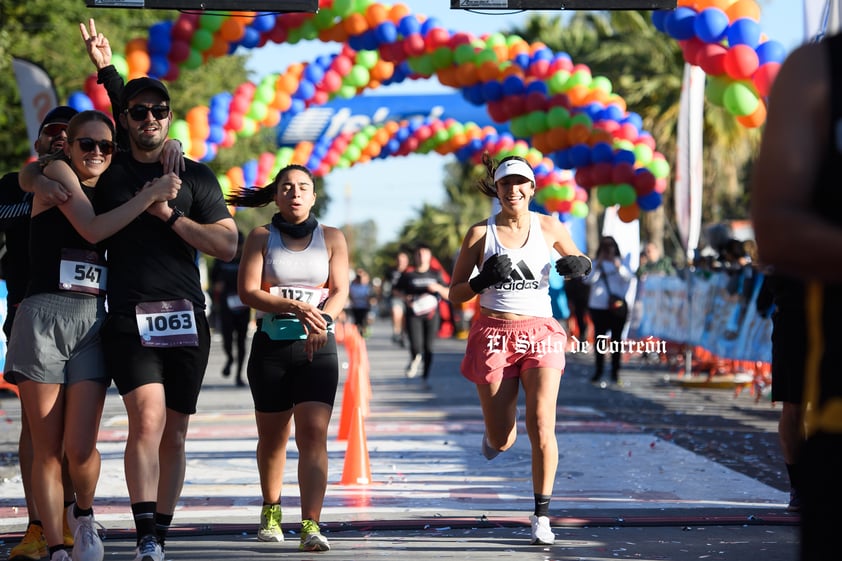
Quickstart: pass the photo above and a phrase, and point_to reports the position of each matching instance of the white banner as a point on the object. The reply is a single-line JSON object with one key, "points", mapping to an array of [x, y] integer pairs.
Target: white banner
{"points": [[37, 95], [688, 161]]}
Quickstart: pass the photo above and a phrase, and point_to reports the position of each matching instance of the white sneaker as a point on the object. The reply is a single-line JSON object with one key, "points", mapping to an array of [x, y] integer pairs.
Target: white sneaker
{"points": [[87, 545], [149, 550], [412, 369], [541, 532], [60, 555]]}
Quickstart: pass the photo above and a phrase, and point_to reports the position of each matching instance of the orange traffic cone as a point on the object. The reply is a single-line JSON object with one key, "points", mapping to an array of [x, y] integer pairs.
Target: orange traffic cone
{"points": [[357, 470]]}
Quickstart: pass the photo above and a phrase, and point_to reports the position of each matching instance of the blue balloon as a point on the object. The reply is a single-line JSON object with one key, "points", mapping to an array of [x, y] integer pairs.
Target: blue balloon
{"points": [[612, 113], [649, 201], [679, 23], [744, 31], [513, 85], [250, 38], [522, 60], [710, 25], [409, 25], [771, 51], [402, 134], [635, 120], [264, 22], [250, 172], [580, 155], [210, 152], [473, 94], [543, 53], [158, 66], [659, 18], [386, 32], [601, 152], [306, 90], [356, 42], [391, 147], [159, 41], [80, 102], [370, 42], [297, 106], [537, 86], [429, 24], [562, 159], [314, 73], [624, 156], [541, 169], [216, 134], [492, 90], [314, 162]]}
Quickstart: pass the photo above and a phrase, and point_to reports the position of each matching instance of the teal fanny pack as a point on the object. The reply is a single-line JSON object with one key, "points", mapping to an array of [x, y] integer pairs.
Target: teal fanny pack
{"points": [[280, 328]]}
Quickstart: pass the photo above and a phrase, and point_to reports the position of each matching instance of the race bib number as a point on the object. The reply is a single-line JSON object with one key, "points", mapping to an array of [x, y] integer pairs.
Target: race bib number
{"points": [[167, 324], [82, 271], [306, 294], [424, 304]]}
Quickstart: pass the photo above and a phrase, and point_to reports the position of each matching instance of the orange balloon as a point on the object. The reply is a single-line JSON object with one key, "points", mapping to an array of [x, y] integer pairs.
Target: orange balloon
{"points": [[488, 70], [468, 74], [382, 70], [282, 101], [518, 48], [232, 29], [355, 24], [755, 119], [540, 141], [138, 62], [286, 83], [392, 127], [449, 76], [743, 9], [272, 118], [629, 213], [578, 134], [137, 44], [376, 14], [334, 33], [557, 139], [502, 52], [597, 95], [218, 48], [398, 11], [578, 94]]}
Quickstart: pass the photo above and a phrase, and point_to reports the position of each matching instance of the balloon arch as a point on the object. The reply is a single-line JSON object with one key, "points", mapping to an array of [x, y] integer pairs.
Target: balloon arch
{"points": [[574, 130]]}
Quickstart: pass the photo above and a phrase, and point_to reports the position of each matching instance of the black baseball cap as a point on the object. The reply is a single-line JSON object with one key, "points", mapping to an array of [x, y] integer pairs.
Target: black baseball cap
{"points": [[134, 87], [60, 115]]}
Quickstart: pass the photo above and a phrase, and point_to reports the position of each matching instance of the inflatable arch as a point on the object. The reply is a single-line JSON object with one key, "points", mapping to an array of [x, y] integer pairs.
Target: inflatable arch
{"points": [[561, 117]]}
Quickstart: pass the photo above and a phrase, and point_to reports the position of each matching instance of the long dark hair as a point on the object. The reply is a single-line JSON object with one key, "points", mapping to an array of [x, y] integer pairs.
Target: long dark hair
{"points": [[262, 196], [486, 185]]}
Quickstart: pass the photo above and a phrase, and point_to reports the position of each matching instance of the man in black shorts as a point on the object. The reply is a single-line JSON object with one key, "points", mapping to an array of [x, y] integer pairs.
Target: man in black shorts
{"points": [[156, 336]]}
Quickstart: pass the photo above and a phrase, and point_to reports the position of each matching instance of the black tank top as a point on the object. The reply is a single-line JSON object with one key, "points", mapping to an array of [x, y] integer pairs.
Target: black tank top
{"points": [[50, 233]]}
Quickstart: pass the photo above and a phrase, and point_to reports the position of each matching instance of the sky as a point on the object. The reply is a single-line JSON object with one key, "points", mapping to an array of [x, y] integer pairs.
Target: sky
{"points": [[391, 191]]}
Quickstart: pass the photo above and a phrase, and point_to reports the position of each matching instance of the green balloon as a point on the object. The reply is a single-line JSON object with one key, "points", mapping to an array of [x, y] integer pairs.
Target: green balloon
{"points": [[367, 58], [642, 154], [558, 82], [265, 93], [581, 119], [580, 77], [543, 195], [579, 209], [283, 157], [422, 65], [602, 83], [194, 60], [180, 131], [346, 91], [224, 184], [521, 150], [485, 55], [605, 195], [308, 30], [625, 194], [352, 153], [211, 22], [519, 127], [120, 64], [495, 40], [464, 53], [324, 18], [441, 136], [740, 99], [623, 144], [343, 8], [358, 76], [566, 192], [659, 168], [442, 58], [715, 90], [536, 122], [249, 127], [257, 110], [343, 163], [558, 116]]}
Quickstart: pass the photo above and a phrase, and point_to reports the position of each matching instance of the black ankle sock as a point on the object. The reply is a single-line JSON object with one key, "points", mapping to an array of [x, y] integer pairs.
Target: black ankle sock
{"points": [[144, 519], [162, 526], [794, 475], [77, 512], [542, 505], [55, 548]]}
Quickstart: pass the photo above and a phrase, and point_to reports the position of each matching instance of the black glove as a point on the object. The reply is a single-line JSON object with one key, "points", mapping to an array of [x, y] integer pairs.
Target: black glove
{"points": [[496, 269], [571, 266]]}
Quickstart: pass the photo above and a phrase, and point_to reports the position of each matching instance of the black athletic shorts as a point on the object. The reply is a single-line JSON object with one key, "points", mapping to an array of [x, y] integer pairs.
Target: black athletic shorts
{"points": [[180, 369], [280, 375], [789, 355]]}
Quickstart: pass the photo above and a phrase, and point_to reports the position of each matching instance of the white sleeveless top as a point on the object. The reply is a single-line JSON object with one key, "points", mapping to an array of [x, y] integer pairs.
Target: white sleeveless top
{"points": [[526, 292], [298, 275]]}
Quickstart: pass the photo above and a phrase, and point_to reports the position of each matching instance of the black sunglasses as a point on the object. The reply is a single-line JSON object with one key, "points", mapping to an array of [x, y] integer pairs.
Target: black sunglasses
{"points": [[138, 112], [54, 129], [88, 145]]}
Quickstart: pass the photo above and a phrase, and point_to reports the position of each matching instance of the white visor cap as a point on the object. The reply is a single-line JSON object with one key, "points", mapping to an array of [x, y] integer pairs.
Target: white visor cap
{"points": [[514, 167]]}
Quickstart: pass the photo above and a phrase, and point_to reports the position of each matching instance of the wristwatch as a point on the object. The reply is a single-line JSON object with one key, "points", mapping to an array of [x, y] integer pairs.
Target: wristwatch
{"points": [[176, 214]]}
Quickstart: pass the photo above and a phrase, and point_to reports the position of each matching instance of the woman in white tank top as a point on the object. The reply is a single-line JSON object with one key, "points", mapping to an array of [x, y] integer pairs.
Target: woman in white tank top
{"points": [[515, 340]]}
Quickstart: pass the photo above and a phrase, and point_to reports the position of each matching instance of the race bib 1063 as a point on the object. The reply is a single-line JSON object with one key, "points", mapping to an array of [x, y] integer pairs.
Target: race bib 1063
{"points": [[170, 323], [82, 271]]}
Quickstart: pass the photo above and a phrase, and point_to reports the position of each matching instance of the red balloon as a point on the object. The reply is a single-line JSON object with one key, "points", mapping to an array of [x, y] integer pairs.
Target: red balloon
{"points": [[179, 51], [497, 111], [460, 38], [623, 172], [602, 173], [764, 77], [437, 37], [240, 104], [535, 101], [414, 45], [692, 48], [584, 177], [740, 62], [332, 81], [711, 58], [539, 69], [643, 182], [515, 105], [342, 64], [183, 28]]}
